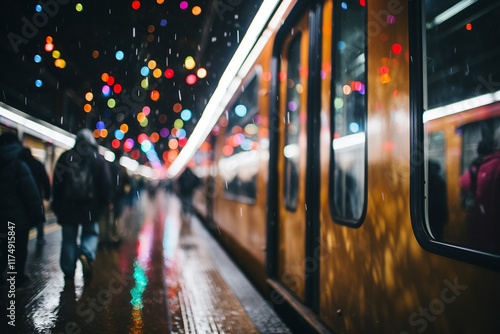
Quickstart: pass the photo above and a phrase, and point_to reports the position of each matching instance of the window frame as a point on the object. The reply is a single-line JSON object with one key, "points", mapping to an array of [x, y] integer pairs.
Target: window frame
{"points": [[418, 157], [354, 223]]}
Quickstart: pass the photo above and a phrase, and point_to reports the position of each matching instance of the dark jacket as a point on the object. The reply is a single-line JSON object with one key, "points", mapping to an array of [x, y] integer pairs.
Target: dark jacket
{"points": [[20, 201], [68, 211], [39, 173]]}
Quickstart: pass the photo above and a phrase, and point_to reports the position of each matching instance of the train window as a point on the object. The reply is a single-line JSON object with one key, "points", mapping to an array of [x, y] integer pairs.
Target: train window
{"points": [[348, 113], [458, 107], [292, 126], [240, 162]]}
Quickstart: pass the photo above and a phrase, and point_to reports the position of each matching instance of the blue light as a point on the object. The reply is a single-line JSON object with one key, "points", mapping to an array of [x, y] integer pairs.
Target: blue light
{"points": [[344, 5], [38, 83], [240, 110], [119, 55], [181, 133], [341, 45], [247, 144], [354, 127], [146, 146], [144, 71], [163, 22], [38, 58], [107, 113], [186, 115], [119, 134], [38, 8], [100, 125]]}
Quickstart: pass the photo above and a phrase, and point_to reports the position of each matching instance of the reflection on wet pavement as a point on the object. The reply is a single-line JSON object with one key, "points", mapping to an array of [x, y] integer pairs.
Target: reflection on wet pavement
{"points": [[161, 279]]}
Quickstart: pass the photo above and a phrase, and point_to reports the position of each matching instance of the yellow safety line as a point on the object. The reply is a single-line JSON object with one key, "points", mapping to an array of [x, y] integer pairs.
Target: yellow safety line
{"points": [[47, 229]]}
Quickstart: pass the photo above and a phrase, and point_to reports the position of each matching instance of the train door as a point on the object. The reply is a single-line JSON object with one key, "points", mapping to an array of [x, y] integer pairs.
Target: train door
{"points": [[291, 191]]}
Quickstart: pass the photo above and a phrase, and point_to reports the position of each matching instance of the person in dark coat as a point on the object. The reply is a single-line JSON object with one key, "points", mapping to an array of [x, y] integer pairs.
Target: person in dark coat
{"points": [[43, 183], [72, 212], [20, 207]]}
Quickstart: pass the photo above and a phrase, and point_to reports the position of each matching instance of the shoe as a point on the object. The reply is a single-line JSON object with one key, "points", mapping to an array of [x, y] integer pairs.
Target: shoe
{"points": [[87, 266]]}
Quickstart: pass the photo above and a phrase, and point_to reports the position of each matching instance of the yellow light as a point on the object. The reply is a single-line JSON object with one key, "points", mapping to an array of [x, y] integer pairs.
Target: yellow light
{"points": [[145, 83], [89, 96], [59, 62], [201, 73], [111, 103], [157, 73], [79, 7], [124, 128], [141, 117], [196, 10], [104, 133], [56, 54], [151, 64], [189, 63]]}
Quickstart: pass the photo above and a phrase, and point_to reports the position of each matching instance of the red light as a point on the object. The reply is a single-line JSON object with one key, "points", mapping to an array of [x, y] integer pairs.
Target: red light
{"points": [[110, 80], [227, 150], [191, 79], [169, 73], [117, 88], [136, 4], [142, 137], [384, 70], [115, 143], [362, 2], [135, 154], [396, 48], [468, 26], [155, 95], [49, 47], [182, 141]]}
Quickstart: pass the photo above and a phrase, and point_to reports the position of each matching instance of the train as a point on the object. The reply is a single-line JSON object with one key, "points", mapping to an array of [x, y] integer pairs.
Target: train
{"points": [[333, 175]]}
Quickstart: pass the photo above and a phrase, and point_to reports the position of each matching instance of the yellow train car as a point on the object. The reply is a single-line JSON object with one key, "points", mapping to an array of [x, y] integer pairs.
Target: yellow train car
{"points": [[336, 172]]}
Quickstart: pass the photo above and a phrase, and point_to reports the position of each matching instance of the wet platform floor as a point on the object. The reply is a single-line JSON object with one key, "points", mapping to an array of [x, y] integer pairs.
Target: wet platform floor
{"points": [[166, 277]]}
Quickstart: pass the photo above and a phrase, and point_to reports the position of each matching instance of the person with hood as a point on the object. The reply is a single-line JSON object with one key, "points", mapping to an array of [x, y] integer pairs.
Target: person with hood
{"points": [[81, 193], [20, 207], [485, 184], [43, 183]]}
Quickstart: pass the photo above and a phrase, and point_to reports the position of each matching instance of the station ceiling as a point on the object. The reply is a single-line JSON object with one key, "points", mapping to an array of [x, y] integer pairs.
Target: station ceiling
{"points": [[54, 52]]}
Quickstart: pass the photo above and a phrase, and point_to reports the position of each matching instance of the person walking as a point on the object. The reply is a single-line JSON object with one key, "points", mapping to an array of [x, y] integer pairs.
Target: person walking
{"points": [[42, 181], [81, 193], [20, 208]]}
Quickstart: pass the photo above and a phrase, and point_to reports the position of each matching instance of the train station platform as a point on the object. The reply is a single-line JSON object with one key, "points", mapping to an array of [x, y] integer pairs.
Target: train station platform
{"points": [[167, 276]]}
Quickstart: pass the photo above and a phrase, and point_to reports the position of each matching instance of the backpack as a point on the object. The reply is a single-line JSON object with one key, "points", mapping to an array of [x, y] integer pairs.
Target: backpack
{"points": [[79, 185]]}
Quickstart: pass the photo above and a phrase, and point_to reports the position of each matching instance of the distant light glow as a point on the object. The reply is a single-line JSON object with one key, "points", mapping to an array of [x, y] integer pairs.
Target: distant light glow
{"points": [[87, 108], [119, 134], [38, 8], [124, 128], [178, 123], [89, 96], [79, 7], [146, 110], [468, 26], [155, 95], [201, 73], [100, 125], [61, 63], [152, 64], [186, 115], [38, 58], [191, 79], [111, 103], [157, 73], [396, 48], [117, 88], [189, 62], [110, 81], [106, 90], [104, 77], [49, 47], [177, 107], [183, 5], [163, 22], [196, 10], [38, 83], [343, 5], [119, 55], [115, 143], [240, 110], [56, 54], [136, 4], [169, 73], [144, 71]]}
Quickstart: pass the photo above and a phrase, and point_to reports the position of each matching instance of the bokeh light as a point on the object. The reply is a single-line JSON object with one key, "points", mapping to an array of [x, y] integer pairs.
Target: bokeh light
{"points": [[106, 90], [169, 73], [186, 115], [177, 107], [136, 4], [124, 128], [38, 58], [201, 73], [117, 88], [196, 10], [152, 64], [100, 125], [155, 95], [89, 96], [157, 73], [144, 71], [87, 108], [38, 83], [191, 79], [183, 5], [119, 55], [189, 62], [79, 7], [56, 54]]}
